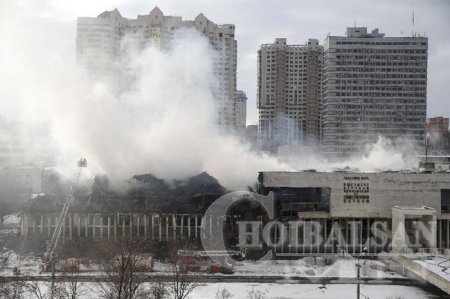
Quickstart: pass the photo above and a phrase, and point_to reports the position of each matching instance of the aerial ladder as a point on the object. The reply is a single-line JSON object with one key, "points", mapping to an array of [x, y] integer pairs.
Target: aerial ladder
{"points": [[49, 258]]}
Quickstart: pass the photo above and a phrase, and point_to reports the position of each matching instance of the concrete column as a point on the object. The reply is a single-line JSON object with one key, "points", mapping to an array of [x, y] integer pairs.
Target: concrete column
{"points": [[34, 226], [49, 225], [123, 226], [145, 227], [448, 234], [196, 226], [115, 226], [24, 225], [430, 222], [109, 226], [398, 232], [79, 225], [167, 227], [138, 217], [189, 226], [160, 228], [94, 226], [70, 227], [182, 226], [101, 226], [131, 225], [153, 227], [174, 221], [42, 224]]}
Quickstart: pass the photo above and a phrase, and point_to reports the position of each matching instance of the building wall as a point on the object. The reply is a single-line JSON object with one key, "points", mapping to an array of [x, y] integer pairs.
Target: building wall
{"points": [[373, 86], [22, 180], [367, 195], [241, 110], [437, 124], [99, 48], [289, 94]]}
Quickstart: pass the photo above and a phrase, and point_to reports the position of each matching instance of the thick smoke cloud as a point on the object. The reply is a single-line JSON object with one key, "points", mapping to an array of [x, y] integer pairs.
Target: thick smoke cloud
{"points": [[163, 124]]}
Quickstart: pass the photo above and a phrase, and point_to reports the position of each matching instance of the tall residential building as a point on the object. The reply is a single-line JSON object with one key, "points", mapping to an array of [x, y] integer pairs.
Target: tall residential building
{"points": [[373, 86], [289, 94], [99, 48], [241, 110]]}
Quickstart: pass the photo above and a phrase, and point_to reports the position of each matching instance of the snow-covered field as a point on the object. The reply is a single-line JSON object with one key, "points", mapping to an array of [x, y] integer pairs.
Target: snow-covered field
{"points": [[310, 267], [305, 267], [286, 291], [311, 291]]}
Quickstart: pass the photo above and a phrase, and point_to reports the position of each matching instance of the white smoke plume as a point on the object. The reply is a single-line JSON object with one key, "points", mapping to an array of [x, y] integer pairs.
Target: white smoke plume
{"points": [[163, 125]]}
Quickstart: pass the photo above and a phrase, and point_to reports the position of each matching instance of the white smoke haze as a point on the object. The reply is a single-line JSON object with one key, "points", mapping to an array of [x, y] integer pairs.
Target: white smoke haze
{"points": [[163, 125], [383, 155]]}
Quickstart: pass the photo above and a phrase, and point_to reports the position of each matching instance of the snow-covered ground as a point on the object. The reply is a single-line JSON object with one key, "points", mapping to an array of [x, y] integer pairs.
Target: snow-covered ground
{"points": [[305, 267], [285, 291], [311, 291], [11, 224], [28, 264], [11, 221], [310, 267]]}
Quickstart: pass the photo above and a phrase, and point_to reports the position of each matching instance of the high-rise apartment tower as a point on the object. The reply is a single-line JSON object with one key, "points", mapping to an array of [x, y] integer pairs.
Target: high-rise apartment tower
{"points": [[99, 47], [241, 110], [289, 94], [373, 86]]}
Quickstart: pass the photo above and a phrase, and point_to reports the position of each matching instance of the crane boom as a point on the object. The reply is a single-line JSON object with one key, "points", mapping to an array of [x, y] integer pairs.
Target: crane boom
{"points": [[53, 244]]}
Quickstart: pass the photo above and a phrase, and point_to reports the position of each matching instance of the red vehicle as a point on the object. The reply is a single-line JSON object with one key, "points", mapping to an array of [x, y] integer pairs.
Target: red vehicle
{"points": [[64, 265], [210, 262]]}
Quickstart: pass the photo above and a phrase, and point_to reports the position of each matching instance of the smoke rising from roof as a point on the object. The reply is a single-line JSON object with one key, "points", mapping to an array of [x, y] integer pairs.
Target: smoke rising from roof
{"points": [[163, 124]]}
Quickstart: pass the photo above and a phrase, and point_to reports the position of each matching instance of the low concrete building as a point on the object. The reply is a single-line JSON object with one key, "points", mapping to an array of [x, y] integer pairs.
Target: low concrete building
{"points": [[345, 197]]}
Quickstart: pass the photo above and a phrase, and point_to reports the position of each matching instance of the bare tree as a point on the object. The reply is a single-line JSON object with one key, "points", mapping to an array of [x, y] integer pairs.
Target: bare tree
{"points": [[120, 266], [256, 294], [223, 294], [3, 283], [158, 290], [183, 281], [70, 288], [9, 289], [37, 290]]}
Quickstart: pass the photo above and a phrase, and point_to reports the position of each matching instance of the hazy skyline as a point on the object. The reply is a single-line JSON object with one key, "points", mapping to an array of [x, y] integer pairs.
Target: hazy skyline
{"points": [[259, 22]]}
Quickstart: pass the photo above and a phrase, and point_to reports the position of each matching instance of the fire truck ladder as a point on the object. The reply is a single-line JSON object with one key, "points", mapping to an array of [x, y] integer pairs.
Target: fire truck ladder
{"points": [[51, 246], [49, 256]]}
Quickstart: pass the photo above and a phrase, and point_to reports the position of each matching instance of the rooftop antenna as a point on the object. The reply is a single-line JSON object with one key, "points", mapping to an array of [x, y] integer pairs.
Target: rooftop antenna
{"points": [[413, 21]]}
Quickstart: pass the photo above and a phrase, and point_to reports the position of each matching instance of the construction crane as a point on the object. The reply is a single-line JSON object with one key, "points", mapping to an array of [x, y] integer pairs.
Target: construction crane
{"points": [[49, 258]]}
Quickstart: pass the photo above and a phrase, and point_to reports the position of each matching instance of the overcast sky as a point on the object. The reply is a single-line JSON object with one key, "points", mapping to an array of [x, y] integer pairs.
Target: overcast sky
{"points": [[261, 21]]}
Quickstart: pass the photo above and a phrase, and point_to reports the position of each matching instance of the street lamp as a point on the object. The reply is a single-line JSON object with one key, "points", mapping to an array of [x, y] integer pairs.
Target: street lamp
{"points": [[358, 269]]}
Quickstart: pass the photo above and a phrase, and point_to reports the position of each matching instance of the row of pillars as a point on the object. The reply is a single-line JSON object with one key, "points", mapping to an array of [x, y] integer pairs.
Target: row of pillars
{"points": [[155, 226]]}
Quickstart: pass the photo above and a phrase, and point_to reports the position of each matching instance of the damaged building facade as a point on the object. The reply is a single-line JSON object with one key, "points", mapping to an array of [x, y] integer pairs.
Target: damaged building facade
{"points": [[155, 210], [359, 204]]}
